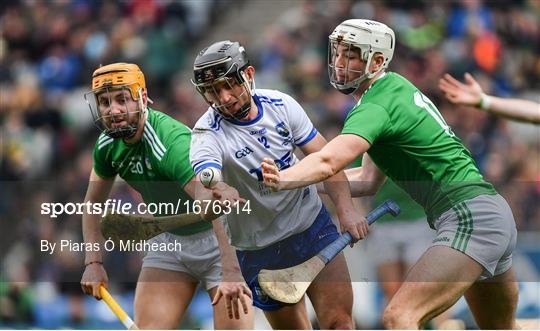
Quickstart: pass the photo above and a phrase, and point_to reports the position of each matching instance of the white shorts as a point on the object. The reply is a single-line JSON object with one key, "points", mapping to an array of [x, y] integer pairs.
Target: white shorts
{"points": [[399, 241], [198, 258], [484, 229]]}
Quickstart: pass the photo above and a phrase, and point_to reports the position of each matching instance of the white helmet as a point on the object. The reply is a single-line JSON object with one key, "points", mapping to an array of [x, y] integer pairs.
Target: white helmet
{"points": [[367, 37]]}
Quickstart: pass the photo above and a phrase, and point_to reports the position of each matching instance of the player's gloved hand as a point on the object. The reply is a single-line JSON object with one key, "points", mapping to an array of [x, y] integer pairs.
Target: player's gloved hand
{"points": [[270, 172], [357, 227], [232, 293], [93, 277]]}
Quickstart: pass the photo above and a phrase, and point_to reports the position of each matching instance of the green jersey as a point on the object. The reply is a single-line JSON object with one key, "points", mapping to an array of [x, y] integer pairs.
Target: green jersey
{"points": [[410, 209], [157, 166], [412, 144]]}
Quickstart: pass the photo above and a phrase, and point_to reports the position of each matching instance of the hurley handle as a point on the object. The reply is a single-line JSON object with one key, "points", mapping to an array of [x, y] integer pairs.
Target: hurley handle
{"points": [[330, 251]]}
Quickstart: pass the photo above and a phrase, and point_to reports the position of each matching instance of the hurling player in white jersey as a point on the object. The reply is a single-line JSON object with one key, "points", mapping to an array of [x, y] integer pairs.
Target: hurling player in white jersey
{"points": [[241, 127]]}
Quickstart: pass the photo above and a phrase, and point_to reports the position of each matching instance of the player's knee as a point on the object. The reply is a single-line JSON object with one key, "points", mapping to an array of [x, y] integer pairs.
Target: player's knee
{"points": [[339, 321], [397, 318], [341, 324], [148, 322]]}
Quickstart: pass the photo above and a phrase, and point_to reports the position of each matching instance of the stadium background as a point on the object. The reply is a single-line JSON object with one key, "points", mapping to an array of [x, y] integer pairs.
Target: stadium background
{"points": [[48, 50]]}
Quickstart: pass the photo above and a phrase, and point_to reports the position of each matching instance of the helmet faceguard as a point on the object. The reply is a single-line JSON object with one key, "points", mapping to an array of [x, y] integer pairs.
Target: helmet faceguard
{"points": [[221, 66], [365, 38], [115, 83]]}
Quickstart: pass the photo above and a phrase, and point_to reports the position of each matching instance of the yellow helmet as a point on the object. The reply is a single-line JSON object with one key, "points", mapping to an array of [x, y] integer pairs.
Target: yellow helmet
{"points": [[119, 74]]}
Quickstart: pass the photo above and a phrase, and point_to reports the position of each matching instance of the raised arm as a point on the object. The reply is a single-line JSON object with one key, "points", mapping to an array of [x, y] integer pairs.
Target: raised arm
{"points": [[471, 94]]}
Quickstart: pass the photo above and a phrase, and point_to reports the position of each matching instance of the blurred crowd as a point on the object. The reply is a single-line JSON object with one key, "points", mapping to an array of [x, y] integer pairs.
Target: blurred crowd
{"points": [[48, 50]]}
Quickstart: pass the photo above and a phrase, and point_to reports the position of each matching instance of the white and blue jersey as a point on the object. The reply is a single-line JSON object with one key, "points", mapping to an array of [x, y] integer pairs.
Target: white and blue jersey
{"points": [[238, 148]]}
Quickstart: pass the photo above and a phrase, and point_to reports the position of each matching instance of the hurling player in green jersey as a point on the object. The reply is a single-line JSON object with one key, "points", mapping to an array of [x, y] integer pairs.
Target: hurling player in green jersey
{"points": [[401, 134], [150, 151]]}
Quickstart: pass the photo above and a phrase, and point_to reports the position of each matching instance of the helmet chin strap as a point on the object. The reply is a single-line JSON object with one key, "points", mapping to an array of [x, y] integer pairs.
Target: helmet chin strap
{"points": [[144, 109], [249, 85], [239, 115], [243, 111], [124, 132]]}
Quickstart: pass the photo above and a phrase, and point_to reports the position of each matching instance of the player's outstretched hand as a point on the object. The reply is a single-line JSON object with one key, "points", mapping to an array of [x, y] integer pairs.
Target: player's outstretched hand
{"points": [[469, 94], [94, 275], [270, 174], [232, 292]]}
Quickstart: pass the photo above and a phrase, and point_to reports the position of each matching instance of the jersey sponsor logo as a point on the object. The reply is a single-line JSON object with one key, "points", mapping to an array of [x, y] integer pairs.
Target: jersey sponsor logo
{"points": [[261, 295], [117, 164], [254, 132], [284, 162], [198, 131], [441, 239], [133, 163], [322, 236], [148, 163], [287, 141], [263, 189], [282, 130], [243, 152]]}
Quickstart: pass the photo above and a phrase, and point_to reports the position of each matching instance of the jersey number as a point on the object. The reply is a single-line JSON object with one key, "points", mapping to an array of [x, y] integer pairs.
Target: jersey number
{"points": [[423, 102], [136, 167], [264, 142]]}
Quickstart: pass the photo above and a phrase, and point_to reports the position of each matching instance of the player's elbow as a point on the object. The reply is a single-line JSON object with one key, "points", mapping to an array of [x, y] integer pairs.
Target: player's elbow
{"points": [[371, 189], [328, 167], [362, 189]]}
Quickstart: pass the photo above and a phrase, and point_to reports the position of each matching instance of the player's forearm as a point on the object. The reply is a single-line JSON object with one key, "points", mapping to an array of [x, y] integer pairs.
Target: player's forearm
{"points": [[207, 212], [357, 187], [203, 194], [360, 183], [516, 109], [314, 168], [229, 261], [92, 234], [97, 192], [337, 187]]}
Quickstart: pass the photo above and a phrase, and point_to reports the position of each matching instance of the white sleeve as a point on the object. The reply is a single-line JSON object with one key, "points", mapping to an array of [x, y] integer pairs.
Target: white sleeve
{"points": [[204, 151], [302, 128]]}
